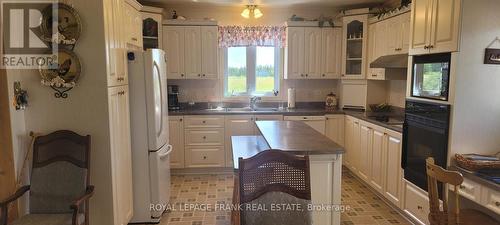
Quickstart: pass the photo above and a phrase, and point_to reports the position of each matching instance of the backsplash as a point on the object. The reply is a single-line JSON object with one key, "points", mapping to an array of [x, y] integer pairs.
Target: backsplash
{"points": [[211, 90], [396, 93]]}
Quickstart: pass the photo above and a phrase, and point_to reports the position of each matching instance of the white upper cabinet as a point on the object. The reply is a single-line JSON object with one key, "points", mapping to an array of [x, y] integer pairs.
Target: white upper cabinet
{"points": [[173, 44], [294, 53], [151, 23], [434, 26], [132, 19], [331, 58], [191, 51], [355, 32], [312, 48], [313, 53], [117, 53], [209, 43]]}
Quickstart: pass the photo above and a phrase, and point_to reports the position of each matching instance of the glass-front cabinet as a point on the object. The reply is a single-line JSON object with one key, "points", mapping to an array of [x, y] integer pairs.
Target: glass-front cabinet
{"points": [[151, 27], [355, 40]]}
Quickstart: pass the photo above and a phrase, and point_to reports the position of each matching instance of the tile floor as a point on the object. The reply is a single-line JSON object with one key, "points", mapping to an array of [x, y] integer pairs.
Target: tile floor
{"points": [[190, 190]]}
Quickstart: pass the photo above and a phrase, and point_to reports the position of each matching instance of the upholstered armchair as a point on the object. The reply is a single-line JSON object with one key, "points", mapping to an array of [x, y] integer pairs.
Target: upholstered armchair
{"points": [[59, 189]]}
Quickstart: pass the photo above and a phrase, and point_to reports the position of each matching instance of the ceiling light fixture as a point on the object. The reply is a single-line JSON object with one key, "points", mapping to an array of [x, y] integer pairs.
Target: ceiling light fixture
{"points": [[251, 10]]}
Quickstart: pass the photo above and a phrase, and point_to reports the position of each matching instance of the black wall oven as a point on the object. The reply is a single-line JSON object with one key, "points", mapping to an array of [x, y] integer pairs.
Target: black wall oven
{"points": [[430, 76], [425, 134]]}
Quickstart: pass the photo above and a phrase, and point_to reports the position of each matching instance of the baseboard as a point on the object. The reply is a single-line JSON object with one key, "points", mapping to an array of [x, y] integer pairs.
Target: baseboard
{"points": [[200, 171]]}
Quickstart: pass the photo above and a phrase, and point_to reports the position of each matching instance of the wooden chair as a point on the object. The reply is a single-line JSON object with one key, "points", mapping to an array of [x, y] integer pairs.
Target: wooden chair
{"points": [[59, 184], [437, 174], [274, 177]]}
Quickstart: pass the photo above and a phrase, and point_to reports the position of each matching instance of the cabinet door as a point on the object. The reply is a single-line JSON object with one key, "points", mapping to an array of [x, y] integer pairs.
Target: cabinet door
{"points": [[355, 32], [237, 126], [445, 26], [335, 128], [137, 29], [404, 33], [192, 48], [420, 27], [209, 50], [365, 144], [151, 33], [356, 145], [331, 53], [349, 126], [393, 172], [173, 44], [393, 30], [294, 53], [372, 55], [176, 137], [377, 160], [312, 55], [121, 154]]}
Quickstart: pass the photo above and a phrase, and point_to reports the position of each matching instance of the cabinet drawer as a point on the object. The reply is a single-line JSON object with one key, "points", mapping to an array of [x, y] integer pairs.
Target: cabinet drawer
{"points": [[416, 203], [491, 200], [205, 157], [205, 137], [469, 189], [203, 121]]}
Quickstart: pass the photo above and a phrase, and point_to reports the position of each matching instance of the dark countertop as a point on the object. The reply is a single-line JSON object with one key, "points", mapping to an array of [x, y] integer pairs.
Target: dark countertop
{"points": [[247, 146], [308, 110], [474, 177], [297, 137]]}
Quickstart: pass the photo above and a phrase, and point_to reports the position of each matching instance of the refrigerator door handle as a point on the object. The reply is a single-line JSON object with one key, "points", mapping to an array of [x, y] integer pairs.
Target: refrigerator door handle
{"points": [[169, 150]]}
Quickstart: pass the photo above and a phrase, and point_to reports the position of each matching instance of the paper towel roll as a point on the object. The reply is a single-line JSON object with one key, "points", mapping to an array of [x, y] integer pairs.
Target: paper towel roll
{"points": [[291, 98]]}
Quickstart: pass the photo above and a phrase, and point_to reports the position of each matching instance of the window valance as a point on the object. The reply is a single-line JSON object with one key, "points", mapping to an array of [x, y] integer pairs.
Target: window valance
{"points": [[234, 36]]}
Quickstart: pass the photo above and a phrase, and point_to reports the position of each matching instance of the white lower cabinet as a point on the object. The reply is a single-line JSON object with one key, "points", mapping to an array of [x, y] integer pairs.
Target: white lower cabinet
{"points": [[237, 125], [316, 122], [416, 203], [121, 159], [491, 199], [176, 137], [204, 141], [373, 153], [334, 128]]}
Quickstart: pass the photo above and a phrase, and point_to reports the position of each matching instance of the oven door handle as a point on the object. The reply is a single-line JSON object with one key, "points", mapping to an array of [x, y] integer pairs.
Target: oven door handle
{"points": [[404, 152]]}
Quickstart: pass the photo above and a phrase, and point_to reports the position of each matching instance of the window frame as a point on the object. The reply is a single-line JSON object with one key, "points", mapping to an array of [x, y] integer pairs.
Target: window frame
{"points": [[251, 58]]}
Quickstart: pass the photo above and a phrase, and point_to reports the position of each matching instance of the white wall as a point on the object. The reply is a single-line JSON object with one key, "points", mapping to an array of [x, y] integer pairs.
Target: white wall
{"points": [[476, 110], [85, 111]]}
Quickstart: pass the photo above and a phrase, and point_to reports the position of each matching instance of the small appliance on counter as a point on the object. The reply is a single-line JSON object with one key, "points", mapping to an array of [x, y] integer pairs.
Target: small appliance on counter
{"points": [[173, 97]]}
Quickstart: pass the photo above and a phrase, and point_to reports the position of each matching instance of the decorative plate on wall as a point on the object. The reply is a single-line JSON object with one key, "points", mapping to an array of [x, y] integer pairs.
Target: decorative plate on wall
{"points": [[68, 24], [63, 73]]}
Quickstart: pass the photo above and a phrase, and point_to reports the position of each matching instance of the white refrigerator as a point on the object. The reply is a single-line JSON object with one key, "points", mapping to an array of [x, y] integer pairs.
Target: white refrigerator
{"points": [[147, 73]]}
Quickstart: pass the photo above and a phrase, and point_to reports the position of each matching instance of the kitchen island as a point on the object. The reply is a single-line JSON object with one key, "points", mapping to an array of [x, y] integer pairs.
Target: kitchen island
{"points": [[325, 158]]}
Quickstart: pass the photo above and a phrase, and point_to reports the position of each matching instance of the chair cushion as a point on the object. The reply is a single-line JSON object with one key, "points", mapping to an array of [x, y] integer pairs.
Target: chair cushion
{"points": [[54, 187], [48, 219], [263, 213]]}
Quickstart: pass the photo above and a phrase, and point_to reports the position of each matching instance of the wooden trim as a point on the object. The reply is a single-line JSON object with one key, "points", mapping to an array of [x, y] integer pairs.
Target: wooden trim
{"points": [[7, 172]]}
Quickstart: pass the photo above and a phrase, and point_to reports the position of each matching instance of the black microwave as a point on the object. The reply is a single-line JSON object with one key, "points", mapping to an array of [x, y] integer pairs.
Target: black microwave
{"points": [[430, 76]]}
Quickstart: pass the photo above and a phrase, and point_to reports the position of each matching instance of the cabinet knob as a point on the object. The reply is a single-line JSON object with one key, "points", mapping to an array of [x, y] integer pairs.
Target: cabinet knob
{"points": [[426, 47], [204, 137], [134, 39], [343, 75], [431, 46], [461, 187], [497, 204], [301, 75], [199, 75], [204, 121], [180, 119], [323, 75], [307, 75], [203, 75], [374, 75], [419, 207], [204, 157], [182, 74]]}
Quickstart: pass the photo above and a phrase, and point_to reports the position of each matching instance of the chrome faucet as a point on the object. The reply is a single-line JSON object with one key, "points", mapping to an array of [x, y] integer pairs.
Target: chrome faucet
{"points": [[254, 100]]}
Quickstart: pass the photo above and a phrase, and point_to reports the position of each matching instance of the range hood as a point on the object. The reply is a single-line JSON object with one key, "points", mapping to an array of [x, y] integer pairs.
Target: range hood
{"points": [[399, 61]]}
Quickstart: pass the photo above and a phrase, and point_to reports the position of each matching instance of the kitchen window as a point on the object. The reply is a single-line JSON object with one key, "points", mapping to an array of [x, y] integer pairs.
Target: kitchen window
{"points": [[250, 71]]}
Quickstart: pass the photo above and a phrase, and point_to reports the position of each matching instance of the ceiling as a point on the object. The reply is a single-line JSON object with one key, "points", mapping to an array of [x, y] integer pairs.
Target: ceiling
{"points": [[270, 3]]}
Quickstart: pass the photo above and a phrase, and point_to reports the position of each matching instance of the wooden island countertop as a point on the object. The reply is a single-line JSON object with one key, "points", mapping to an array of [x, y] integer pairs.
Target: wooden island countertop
{"points": [[297, 137]]}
